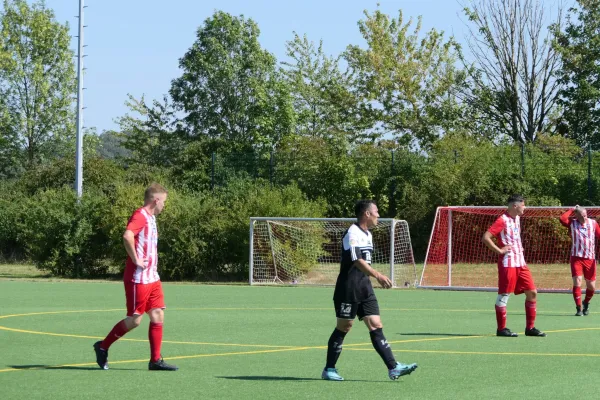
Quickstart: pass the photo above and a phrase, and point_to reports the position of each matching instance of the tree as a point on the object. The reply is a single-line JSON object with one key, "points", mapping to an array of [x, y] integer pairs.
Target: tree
{"points": [[152, 137], [406, 82], [9, 144], [111, 146], [37, 78], [512, 80], [579, 48], [324, 101], [230, 90]]}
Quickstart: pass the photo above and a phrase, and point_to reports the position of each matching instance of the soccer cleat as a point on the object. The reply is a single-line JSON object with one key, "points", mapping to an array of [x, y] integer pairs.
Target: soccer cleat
{"points": [[586, 307], [578, 313], [506, 333], [101, 356], [401, 370], [161, 365], [534, 332], [331, 374]]}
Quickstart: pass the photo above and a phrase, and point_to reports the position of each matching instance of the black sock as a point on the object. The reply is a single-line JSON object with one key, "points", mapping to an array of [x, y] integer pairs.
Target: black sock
{"points": [[383, 348], [334, 347]]}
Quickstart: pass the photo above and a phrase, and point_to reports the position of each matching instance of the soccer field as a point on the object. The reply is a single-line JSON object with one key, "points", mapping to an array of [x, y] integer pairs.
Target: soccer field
{"points": [[240, 342]]}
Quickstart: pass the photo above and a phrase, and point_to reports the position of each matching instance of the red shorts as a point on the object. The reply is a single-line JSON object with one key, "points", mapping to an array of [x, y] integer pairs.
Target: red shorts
{"points": [[583, 266], [514, 280], [143, 297]]}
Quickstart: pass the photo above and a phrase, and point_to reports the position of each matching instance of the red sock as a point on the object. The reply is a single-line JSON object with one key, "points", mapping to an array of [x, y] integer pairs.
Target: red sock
{"points": [[588, 295], [501, 317], [155, 334], [118, 331], [577, 295], [530, 314]]}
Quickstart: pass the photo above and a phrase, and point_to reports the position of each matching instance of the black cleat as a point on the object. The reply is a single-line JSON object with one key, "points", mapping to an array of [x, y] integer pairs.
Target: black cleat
{"points": [[586, 307], [101, 356], [578, 313], [506, 333], [534, 332], [161, 365]]}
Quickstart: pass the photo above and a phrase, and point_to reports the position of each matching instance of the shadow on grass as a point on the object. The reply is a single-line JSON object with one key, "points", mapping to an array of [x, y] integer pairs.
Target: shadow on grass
{"points": [[279, 378], [62, 367], [438, 334]]}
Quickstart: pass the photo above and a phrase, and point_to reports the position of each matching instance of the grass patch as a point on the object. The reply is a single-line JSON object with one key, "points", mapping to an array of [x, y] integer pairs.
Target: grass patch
{"points": [[269, 343]]}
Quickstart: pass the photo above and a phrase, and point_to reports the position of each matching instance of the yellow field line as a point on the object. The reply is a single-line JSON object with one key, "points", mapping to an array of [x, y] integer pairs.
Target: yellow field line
{"points": [[490, 310], [276, 348], [4, 328], [170, 358], [497, 353]]}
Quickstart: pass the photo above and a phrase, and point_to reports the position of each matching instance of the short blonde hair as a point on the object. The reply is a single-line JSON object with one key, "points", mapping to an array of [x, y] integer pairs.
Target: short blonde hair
{"points": [[152, 190]]}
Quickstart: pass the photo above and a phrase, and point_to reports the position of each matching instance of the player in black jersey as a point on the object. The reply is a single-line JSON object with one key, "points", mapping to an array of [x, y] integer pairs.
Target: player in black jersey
{"points": [[354, 296]]}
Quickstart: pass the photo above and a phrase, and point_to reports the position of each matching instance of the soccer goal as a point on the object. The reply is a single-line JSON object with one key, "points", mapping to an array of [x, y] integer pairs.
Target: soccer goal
{"points": [[457, 258], [308, 250]]}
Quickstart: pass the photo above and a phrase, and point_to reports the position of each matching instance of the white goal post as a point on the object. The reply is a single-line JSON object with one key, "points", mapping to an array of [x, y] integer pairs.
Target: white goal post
{"points": [[308, 250]]}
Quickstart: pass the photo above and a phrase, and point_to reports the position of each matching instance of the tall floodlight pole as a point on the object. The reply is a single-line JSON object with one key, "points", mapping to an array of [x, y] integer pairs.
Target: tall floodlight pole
{"points": [[79, 142]]}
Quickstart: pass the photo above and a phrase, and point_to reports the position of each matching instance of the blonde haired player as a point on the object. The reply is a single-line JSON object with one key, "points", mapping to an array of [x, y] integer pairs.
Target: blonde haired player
{"points": [[143, 290], [583, 232]]}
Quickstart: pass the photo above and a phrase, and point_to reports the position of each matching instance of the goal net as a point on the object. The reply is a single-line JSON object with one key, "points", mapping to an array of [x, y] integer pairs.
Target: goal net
{"points": [[458, 259], [308, 250]]}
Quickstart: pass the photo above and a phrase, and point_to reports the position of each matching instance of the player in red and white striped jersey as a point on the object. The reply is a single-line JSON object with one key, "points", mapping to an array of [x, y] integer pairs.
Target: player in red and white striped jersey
{"points": [[583, 231], [513, 274], [143, 290]]}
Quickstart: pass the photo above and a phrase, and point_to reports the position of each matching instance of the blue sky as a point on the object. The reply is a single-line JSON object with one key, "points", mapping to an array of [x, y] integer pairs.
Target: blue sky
{"points": [[134, 46]]}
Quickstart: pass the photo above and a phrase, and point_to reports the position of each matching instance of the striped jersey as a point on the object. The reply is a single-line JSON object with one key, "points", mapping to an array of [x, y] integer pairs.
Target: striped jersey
{"points": [[507, 231], [143, 226], [352, 284], [583, 236]]}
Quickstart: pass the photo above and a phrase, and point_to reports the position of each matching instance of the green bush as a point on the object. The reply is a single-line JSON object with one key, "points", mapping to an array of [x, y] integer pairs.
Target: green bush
{"points": [[65, 236], [206, 236], [11, 210]]}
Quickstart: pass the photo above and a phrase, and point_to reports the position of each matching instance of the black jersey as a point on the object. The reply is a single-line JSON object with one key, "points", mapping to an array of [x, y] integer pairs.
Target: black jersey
{"points": [[352, 284]]}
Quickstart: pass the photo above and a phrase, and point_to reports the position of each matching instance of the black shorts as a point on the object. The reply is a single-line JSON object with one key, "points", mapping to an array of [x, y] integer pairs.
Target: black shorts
{"points": [[367, 307]]}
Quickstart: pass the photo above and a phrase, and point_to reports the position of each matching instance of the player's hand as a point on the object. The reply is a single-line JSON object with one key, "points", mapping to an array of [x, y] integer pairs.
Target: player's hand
{"points": [[143, 263], [505, 250], [384, 281]]}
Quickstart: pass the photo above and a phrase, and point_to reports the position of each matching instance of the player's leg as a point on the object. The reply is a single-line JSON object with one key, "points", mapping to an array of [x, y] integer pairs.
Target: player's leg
{"points": [[589, 273], [577, 274], [136, 296], [526, 285], [155, 309], [368, 311], [345, 313], [506, 285]]}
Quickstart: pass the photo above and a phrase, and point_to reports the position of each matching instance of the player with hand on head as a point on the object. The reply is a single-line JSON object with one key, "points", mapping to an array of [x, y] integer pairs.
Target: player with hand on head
{"points": [[513, 274], [583, 232], [354, 295], [143, 290]]}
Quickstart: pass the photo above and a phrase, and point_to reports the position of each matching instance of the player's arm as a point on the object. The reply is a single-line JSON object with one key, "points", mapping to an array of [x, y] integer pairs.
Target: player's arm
{"points": [[134, 226], [129, 242], [383, 280], [565, 218], [494, 230], [597, 230]]}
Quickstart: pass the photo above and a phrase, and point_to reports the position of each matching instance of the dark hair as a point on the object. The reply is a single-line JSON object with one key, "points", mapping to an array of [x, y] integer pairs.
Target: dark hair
{"points": [[361, 207], [516, 198]]}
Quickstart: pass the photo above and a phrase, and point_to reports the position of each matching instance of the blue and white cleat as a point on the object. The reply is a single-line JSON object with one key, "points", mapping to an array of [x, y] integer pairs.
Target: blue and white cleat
{"points": [[401, 370], [331, 374]]}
